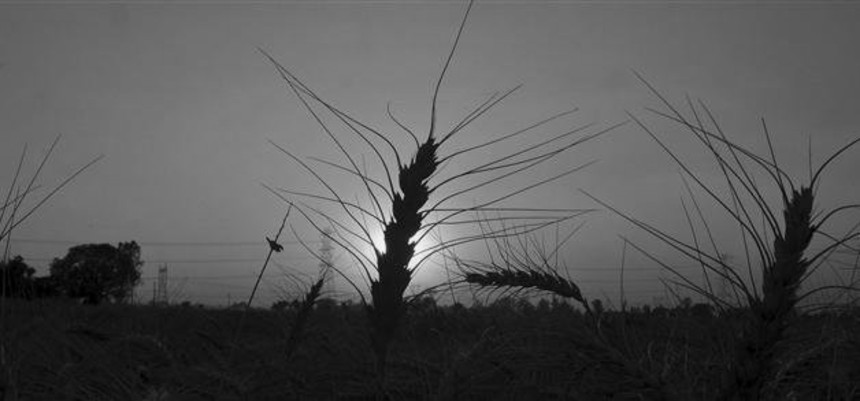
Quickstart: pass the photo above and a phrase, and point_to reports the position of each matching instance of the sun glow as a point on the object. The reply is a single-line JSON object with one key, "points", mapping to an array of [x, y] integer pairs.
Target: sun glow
{"points": [[378, 239], [421, 248]]}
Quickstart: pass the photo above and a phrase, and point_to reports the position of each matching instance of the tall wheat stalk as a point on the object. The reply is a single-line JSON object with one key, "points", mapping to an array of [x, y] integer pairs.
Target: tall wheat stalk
{"points": [[306, 307], [779, 245], [425, 198]]}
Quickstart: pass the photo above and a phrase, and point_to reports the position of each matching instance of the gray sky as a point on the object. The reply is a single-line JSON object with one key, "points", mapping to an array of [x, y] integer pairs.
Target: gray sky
{"points": [[181, 104]]}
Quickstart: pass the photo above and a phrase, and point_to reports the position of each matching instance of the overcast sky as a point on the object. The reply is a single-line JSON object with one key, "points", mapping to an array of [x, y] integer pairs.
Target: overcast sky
{"points": [[182, 105]]}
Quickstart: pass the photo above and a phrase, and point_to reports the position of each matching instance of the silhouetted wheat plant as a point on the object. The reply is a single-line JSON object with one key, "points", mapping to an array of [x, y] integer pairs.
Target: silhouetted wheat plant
{"points": [[306, 307], [779, 245], [418, 204]]}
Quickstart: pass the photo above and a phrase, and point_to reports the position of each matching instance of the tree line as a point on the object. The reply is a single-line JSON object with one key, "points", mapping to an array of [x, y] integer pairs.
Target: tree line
{"points": [[90, 273]]}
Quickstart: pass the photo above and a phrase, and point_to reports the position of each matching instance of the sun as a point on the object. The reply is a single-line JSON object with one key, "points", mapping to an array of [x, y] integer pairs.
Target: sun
{"points": [[421, 247]]}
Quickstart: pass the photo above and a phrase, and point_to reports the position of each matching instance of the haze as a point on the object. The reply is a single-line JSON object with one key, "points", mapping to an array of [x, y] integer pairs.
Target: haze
{"points": [[182, 104]]}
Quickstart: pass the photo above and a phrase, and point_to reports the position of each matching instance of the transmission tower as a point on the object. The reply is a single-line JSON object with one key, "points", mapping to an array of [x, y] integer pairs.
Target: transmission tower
{"points": [[326, 259], [161, 290]]}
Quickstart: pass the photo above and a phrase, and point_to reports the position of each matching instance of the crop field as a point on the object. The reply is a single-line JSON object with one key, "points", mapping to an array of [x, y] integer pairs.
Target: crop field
{"points": [[508, 350]]}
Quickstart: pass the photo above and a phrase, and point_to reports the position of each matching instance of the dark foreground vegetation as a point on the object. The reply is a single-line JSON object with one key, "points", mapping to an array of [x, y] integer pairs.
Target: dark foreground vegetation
{"points": [[508, 350]]}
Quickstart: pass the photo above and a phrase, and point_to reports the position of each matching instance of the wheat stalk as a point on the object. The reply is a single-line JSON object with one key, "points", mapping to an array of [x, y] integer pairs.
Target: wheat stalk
{"points": [[784, 260], [304, 312], [404, 212], [755, 354], [393, 266]]}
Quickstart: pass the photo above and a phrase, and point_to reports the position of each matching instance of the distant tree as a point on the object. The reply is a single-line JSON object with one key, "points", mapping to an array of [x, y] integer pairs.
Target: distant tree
{"points": [[45, 287], [326, 304], [543, 306], [561, 307], [238, 306], [99, 272], [504, 305], [597, 306], [525, 306], [686, 303], [424, 304], [190, 305], [702, 310], [281, 305], [17, 277]]}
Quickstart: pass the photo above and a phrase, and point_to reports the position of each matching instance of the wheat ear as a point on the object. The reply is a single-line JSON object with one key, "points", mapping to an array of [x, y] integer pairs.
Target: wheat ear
{"points": [[544, 281], [781, 279], [298, 330]]}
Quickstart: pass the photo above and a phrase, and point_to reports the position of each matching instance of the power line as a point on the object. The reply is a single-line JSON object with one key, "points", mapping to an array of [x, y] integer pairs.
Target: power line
{"points": [[189, 261], [161, 243], [263, 244], [218, 277], [176, 261], [275, 276], [257, 260]]}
